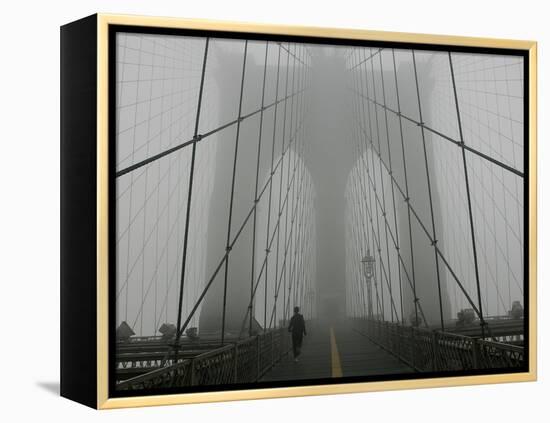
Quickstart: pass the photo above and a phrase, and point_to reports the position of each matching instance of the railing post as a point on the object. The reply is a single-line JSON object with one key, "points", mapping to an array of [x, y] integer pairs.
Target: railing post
{"points": [[282, 342], [272, 350], [475, 354], [413, 347], [399, 340], [435, 344], [258, 358], [193, 372], [388, 335], [235, 358]]}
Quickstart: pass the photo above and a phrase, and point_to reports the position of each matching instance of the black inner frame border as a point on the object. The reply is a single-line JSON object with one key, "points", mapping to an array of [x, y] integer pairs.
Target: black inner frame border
{"points": [[113, 30]]}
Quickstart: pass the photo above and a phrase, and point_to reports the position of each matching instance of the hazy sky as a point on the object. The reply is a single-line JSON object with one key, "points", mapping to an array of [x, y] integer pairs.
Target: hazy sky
{"points": [[341, 135]]}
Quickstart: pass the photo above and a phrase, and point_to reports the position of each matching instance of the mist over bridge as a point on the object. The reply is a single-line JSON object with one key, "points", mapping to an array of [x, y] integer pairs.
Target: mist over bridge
{"points": [[254, 176]]}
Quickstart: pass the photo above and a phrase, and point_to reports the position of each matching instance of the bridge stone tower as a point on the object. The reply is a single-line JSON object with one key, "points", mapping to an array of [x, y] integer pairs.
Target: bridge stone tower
{"points": [[426, 272], [329, 159]]}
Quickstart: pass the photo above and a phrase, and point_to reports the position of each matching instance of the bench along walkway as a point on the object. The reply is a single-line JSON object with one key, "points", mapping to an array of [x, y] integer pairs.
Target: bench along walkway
{"points": [[336, 350]]}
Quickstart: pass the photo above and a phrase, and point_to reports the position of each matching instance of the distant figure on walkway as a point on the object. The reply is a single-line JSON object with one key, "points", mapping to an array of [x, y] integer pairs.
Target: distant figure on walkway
{"points": [[298, 328]]}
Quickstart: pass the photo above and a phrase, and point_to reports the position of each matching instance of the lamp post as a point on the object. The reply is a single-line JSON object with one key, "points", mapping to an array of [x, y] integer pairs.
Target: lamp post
{"points": [[368, 268]]}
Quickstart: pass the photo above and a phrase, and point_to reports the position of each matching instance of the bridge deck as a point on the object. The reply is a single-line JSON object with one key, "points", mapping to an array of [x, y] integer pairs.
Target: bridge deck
{"points": [[333, 351]]}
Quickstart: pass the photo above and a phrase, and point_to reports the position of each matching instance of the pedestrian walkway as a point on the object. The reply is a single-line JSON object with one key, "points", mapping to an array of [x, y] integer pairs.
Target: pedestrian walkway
{"points": [[336, 350]]}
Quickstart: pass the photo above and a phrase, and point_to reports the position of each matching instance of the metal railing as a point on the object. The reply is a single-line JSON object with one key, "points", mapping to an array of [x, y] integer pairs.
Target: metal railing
{"points": [[238, 362], [432, 350]]}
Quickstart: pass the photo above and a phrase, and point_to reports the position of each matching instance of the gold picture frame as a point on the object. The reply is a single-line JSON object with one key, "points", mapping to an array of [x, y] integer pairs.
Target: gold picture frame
{"points": [[102, 398]]}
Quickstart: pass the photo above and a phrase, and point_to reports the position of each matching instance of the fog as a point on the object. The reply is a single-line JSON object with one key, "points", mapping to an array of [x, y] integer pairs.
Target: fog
{"points": [[287, 200]]}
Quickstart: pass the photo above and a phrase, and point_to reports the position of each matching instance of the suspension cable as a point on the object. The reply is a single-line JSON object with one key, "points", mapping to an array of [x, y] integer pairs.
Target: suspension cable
{"points": [[189, 197], [231, 198], [429, 192], [468, 195], [253, 264]]}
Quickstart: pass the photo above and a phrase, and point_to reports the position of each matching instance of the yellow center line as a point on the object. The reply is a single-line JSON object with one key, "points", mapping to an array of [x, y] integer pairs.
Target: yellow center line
{"points": [[336, 367]]}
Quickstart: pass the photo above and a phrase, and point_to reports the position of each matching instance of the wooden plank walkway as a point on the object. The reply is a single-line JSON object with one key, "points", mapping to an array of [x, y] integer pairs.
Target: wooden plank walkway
{"points": [[335, 350]]}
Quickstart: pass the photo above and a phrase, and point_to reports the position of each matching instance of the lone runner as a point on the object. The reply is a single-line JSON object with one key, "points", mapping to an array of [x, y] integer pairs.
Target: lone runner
{"points": [[297, 326]]}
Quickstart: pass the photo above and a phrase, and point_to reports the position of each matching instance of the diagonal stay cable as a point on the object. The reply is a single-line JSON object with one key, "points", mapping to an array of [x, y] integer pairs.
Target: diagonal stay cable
{"points": [[400, 257], [377, 239], [360, 205], [427, 233], [267, 249], [254, 221], [232, 196], [397, 245], [446, 137], [189, 199], [279, 209], [415, 214], [366, 60], [405, 174], [371, 127], [262, 269], [198, 138], [468, 194], [225, 256], [386, 273], [384, 208], [288, 170], [279, 279], [293, 54], [411, 209], [428, 180], [172, 229], [358, 213]]}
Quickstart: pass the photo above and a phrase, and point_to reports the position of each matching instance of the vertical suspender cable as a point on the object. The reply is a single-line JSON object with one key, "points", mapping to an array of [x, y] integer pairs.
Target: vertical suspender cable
{"points": [[429, 193], [228, 244], [392, 187], [468, 195], [253, 272], [267, 237], [279, 212], [407, 199], [196, 137]]}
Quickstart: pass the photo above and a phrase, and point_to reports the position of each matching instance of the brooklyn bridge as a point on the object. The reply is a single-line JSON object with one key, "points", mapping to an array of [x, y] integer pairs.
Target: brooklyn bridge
{"points": [[378, 189]]}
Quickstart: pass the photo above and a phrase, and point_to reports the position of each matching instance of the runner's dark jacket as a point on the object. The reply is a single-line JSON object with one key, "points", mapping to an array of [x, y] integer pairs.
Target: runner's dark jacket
{"points": [[297, 325]]}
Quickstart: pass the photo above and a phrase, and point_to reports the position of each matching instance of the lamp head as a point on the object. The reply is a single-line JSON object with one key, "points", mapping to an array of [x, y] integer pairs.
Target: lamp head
{"points": [[368, 265]]}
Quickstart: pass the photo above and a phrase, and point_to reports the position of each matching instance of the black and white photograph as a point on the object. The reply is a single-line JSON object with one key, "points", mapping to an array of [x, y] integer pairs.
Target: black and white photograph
{"points": [[294, 212]]}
